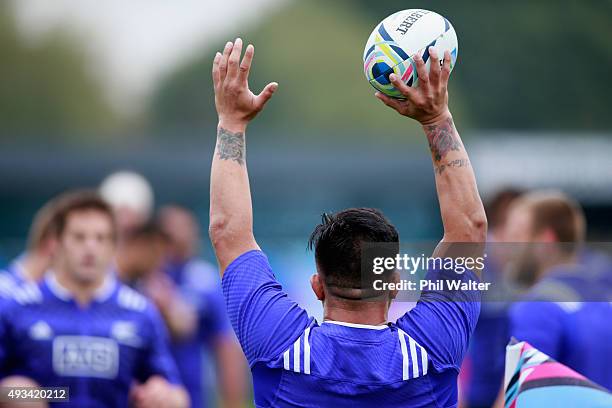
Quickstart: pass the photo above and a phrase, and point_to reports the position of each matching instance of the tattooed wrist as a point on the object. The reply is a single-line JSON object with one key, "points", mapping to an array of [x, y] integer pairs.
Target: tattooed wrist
{"points": [[442, 138], [439, 169], [230, 145]]}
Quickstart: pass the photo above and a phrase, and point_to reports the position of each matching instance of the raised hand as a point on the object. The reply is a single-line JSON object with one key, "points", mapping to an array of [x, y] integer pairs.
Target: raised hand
{"points": [[427, 103], [236, 104]]}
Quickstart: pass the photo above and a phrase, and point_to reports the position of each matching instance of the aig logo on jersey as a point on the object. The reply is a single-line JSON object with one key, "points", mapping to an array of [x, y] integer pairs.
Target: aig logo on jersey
{"points": [[85, 356]]}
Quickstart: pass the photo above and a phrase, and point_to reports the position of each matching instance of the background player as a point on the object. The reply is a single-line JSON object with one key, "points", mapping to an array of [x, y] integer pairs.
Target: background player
{"points": [[82, 329], [483, 370], [567, 313], [354, 355], [190, 287], [36, 259]]}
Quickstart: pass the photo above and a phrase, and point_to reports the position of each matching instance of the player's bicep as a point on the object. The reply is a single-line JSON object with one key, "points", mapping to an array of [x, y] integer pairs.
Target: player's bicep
{"points": [[265, 320]]}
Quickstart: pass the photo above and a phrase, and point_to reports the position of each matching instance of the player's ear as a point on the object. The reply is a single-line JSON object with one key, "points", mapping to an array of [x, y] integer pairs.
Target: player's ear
{"points": [[317, 286]]}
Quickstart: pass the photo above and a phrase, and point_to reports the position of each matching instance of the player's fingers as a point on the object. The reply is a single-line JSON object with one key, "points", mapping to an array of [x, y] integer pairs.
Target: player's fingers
{"points": [[407, 91], [223, 61], [434, 67], [265, 95], [234, 59], [421, 71], [390, 102], [446, 67], [245, 65], [215, 71]]}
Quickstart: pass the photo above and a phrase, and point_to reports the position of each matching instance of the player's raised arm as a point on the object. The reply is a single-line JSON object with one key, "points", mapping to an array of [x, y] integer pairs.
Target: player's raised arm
{"points": [[231, 213], [462, 211]]}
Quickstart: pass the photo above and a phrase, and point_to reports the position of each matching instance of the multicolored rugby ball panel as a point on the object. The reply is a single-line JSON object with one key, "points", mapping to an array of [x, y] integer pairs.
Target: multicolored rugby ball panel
{"points": [[394, 42]]}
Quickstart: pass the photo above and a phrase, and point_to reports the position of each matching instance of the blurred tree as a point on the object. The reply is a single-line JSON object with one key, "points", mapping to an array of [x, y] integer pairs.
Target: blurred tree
{"points": [[46, 90], [313, 49], [522, 65]]}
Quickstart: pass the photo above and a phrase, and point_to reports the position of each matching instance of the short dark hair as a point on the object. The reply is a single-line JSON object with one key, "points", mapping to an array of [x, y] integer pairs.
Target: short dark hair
{"points": [[80, 200], [149, 231], [338, 242]]}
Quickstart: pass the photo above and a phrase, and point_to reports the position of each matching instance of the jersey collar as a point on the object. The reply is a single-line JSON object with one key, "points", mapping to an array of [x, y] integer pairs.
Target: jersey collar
{"points": [[358, 326], [100, 295]]}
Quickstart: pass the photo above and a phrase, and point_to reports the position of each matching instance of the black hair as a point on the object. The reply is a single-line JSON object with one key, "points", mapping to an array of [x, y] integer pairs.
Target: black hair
{"points": [[148, 231], [338, 246]]}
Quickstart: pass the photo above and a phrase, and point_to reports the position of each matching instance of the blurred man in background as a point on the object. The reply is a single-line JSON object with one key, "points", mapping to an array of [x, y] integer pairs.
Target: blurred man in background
{"points": [[36, 259], [159, 260], [567, 313], [81, 329], [140, 254], [483, 370], [191, 287]]}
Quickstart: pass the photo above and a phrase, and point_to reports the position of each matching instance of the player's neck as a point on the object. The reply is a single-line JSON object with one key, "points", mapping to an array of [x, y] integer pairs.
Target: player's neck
{"points": [[82, 292], [357, 312]]}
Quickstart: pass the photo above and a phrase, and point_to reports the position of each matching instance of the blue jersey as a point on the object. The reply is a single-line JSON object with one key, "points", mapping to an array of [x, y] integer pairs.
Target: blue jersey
{"points": [[11, 278], [199, 285], [568, 317], [96, 351], [485, 359], [297, 362]]}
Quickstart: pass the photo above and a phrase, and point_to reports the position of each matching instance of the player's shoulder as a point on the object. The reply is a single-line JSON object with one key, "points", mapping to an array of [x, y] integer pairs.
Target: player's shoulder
{"points": [[7, 284], [24, 294], [130, 300]]}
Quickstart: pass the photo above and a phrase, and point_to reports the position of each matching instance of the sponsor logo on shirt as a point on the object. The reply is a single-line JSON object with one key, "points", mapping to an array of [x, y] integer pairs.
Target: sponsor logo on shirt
{"points": [[40, 331], [85, 356], [125, 333]]}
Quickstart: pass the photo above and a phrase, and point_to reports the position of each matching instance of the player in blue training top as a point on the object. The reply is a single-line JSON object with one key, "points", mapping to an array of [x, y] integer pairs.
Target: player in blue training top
{"points": [[354, 357], [81, 329], [31, 265], [190, 299], [567, 313]]}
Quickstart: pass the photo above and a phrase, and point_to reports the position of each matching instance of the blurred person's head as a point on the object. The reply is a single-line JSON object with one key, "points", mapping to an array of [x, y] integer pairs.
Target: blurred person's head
{"points": [[181, 228], [496, 208], [86, 236], [41, 242], [131, 197], [551, 225], [338, 244], [141, 253]]}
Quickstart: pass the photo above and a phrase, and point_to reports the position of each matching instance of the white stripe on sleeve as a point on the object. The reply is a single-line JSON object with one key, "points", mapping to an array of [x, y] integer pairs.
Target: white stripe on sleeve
{"points": [[413, 357], [306, 351], [402, 340], [296, 355]]}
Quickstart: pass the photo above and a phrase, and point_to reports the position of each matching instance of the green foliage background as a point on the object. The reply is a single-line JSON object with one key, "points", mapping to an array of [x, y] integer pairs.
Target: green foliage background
{"points": [[523, 65]]}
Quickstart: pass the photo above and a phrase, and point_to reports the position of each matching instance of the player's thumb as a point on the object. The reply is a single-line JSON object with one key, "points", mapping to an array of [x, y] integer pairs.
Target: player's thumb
{"points": [[265, 95]]}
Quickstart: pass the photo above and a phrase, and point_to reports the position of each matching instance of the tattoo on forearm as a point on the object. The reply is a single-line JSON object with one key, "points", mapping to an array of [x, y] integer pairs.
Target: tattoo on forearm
{"points": [[230, 146], [439, 169], [442, 139]]}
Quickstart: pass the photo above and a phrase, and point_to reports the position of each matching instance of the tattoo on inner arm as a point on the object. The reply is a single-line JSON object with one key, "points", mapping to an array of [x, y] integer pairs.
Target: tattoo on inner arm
{"points": [[442, 139], [439, 169], [230, 146]]}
